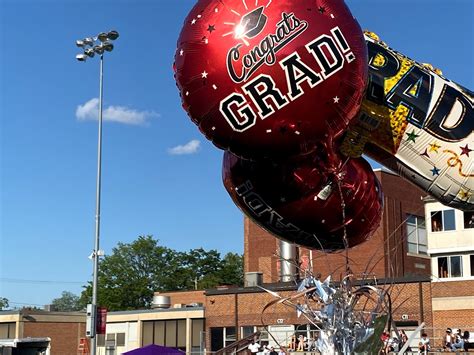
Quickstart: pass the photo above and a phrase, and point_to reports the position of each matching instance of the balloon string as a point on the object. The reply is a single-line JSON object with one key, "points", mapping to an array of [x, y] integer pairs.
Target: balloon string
{"points": [[454, 160], [343, 207]]}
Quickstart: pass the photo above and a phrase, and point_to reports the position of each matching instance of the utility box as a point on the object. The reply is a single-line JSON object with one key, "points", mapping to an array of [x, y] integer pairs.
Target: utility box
{"points": [[90, 321], [253, 279]]}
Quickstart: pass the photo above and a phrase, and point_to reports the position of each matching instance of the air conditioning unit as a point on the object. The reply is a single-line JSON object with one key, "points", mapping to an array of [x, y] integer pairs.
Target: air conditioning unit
{"points": [[253, 279]]}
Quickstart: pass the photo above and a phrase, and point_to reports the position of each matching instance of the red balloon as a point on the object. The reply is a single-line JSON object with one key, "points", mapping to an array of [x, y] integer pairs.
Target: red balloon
{"points": [[301, 203], [266, 78]]}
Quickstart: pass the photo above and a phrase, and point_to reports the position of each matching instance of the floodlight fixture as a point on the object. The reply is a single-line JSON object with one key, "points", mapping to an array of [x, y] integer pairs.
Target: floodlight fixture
{"points": [[108, 46], [81, 57], [113, 35], [89, 52]]}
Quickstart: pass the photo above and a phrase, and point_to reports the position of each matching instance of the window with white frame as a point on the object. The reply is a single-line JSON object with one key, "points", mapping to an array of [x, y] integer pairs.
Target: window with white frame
{"points": [[416, 235], [449, 266], [443, 221], [222, 337]]}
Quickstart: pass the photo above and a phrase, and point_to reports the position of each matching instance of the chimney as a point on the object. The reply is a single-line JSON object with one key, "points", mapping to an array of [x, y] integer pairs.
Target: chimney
{"points": [[289, 261]]}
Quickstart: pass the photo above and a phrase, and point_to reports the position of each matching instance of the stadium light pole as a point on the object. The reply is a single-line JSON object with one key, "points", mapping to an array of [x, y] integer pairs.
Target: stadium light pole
{"points": [[96, 45]]}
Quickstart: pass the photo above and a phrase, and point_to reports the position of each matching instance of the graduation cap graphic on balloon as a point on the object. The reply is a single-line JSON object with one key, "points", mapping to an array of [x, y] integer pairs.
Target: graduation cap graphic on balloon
{"points": [[252, 23]]}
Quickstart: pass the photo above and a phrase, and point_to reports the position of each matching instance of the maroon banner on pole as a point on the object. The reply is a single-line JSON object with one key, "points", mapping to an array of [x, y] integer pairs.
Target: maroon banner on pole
{"points": [[101, 320]]}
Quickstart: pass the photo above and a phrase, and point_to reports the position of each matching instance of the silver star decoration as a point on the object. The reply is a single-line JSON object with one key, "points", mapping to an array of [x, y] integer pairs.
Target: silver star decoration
{"points": [[204, 74], [336, 100], [193, 21], [181, 52]]}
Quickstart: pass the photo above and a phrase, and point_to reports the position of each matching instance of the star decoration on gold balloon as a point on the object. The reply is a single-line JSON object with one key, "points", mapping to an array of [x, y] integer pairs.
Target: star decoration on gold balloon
{"points": [[464, 194], [465, 150], [434, 147], [412, 136]]}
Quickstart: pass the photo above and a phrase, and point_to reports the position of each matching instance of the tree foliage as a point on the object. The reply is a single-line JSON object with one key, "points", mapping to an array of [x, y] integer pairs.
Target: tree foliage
{"points": [[3, 303], [133, 272], [67, 302]]}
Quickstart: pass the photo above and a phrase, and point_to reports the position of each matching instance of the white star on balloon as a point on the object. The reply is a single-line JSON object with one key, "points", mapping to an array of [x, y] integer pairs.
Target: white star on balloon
{"points": [[181, 52], [336, 100], [204, 74], [193, 21]]}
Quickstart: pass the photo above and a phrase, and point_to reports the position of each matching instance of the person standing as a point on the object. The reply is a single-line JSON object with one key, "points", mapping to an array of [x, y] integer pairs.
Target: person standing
{"points": [[254, 347]]}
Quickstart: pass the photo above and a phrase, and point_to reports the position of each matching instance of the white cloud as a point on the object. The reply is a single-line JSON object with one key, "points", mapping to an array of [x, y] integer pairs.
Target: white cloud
{"points": [[192, 147], [121, 114]]}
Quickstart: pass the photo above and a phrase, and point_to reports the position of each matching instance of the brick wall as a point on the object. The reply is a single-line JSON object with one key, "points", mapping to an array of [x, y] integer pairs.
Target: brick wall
{"points": [[460, 318], [65, 337], [452, 288]]}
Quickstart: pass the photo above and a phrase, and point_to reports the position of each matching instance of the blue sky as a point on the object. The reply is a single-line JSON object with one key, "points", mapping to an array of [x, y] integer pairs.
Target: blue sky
{"points": [[48, 155]]}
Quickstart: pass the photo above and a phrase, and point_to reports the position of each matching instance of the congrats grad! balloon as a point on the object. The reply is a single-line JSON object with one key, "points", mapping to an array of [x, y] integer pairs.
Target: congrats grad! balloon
{"points": [[267, 78]]}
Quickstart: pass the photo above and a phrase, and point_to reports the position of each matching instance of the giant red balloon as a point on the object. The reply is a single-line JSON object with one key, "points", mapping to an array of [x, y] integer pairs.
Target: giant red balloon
{"points": [[266, 78], [283, 199]]}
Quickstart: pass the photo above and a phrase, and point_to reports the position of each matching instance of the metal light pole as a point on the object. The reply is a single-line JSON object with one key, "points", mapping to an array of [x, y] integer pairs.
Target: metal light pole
{"points": [[92, 46]]}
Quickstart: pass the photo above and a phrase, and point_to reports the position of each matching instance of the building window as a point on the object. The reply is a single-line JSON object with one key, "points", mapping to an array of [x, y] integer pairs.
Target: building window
{"points": [[171, 333], [100, 339], [468, 219], [442, 221], [449, 266], [230, 335], [472, 264], [217, 338], [246, 331], [120, 339], [7, 331], [110, 341], [197, 333], [416, 235]]}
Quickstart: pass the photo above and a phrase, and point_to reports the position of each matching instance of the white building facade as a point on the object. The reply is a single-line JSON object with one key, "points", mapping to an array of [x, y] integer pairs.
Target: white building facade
{"points": [[450, 236]]}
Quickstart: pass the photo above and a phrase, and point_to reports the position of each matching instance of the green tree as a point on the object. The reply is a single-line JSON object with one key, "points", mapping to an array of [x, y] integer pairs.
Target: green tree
{"points": [[133, 272], [67, 302], [3, 303], [201, 267], [130, 275], [232, 270]]}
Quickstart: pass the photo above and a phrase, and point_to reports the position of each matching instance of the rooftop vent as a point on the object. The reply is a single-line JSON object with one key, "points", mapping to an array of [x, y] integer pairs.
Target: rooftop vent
{"points": [[161, 302]]}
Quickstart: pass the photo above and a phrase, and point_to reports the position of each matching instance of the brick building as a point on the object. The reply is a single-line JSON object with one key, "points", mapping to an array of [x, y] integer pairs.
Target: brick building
{"points": [[235, 313], [387, 254], [404, 252], [396, 255], [50, 332], [451, 247]]}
